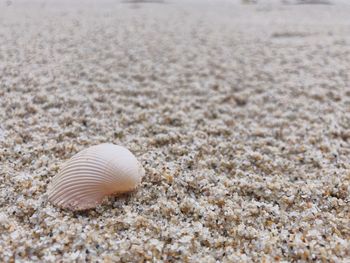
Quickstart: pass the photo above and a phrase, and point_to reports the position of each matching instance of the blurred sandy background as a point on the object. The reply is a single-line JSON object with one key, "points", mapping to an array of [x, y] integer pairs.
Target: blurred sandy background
{"points": [[238, 112]]}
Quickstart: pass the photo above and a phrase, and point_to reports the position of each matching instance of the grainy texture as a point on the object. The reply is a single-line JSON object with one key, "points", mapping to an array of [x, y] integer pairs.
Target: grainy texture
{"points": [[239, 114]]}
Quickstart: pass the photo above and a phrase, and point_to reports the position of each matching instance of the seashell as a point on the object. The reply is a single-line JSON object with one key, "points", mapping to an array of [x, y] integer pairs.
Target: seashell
{"points": [[94, 173]]}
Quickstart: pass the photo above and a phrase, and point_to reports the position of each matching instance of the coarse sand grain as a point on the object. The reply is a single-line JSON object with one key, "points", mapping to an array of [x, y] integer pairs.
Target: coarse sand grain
{"points": [[239, 114]]}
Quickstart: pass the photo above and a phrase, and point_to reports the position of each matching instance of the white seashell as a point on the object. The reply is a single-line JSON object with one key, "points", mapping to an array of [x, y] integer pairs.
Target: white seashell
{"points": [[94, 173]]}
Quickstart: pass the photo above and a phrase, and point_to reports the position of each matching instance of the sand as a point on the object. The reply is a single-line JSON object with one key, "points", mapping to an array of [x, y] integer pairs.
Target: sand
{"points": [[238, 113]]}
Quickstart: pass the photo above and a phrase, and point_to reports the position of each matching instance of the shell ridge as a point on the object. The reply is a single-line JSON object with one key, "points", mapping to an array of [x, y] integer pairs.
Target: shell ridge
{"points": [[90, 161], [62, 188], [73, 195], [86, 162], [109, 171], [68, 190], [88, 173], [91, 174]]}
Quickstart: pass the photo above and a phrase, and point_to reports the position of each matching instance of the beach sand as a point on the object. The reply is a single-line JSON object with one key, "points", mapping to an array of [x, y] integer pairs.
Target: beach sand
{"points": [[238, 113]]}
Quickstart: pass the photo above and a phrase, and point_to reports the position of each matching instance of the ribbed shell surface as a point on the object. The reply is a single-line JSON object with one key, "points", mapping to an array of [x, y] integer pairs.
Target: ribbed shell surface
{"points": [[94, 173]]}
